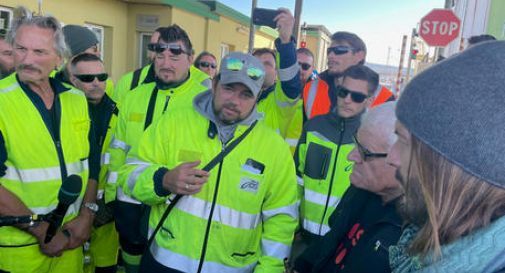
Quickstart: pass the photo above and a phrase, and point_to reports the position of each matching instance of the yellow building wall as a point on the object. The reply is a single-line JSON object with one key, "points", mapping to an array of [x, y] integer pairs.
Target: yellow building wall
{"points": [[132, 42], [109, 14], [122, 33]]}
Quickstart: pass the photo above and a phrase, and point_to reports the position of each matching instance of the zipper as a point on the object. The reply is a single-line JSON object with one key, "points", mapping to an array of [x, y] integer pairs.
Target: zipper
{"points": [[166, 104], [209, 221], [55, 134], [342, 124]]}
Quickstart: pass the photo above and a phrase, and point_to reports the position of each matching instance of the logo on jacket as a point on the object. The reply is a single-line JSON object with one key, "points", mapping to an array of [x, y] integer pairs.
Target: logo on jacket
{"points": [[249, 185]]}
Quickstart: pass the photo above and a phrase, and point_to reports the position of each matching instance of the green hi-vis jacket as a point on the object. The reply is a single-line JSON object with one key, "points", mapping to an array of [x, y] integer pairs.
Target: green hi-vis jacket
{"points": [[323, 168], [249, 202], [141, 107]]}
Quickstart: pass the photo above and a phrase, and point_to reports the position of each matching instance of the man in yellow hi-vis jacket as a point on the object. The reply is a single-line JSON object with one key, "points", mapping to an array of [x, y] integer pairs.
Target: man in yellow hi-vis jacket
{"points": [[239, 216]]}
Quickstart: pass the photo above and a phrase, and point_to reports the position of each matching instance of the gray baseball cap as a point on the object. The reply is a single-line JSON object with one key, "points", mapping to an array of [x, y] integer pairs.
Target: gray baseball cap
{"points": [[238, 67]]}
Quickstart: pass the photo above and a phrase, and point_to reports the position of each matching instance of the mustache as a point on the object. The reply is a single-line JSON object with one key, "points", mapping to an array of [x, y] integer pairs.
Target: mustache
{"points": [[231, 106], [28, 67]]}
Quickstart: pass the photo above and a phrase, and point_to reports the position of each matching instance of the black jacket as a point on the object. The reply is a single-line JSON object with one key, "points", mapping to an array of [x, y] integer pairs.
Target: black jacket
{"points": [[376, 227]]}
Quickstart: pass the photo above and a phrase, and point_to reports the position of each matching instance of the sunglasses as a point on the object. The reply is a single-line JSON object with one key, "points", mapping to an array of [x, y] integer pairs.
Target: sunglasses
{"points": [[338, 50], [236, 65], [304, 66], [356, 97], [175, 49], [365, 153], [91, 77], [207, 64]]}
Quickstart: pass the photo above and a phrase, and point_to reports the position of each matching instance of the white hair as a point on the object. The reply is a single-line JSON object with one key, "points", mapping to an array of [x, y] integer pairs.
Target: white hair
{"points": [[380, 121], [23, 17]]}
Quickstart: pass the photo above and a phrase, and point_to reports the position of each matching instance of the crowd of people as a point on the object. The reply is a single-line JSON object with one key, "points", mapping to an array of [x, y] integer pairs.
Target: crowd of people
{"points": [[260, 164]]}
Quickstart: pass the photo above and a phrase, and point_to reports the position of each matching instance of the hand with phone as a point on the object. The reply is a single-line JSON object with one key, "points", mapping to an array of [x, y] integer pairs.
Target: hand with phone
{"points": [[285, 23], [280, 18]]}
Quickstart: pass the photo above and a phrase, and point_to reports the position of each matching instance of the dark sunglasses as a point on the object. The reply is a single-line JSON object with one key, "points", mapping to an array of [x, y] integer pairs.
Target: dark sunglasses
{"points": [[304, 66], [357, 97], [236, 65], [365, 153], [207, 64], [175, 49], [91, 77], [338, 50]]}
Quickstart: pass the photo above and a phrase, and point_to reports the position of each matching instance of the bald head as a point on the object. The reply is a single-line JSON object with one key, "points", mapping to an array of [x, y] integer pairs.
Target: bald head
{"points": [[380, 122]]}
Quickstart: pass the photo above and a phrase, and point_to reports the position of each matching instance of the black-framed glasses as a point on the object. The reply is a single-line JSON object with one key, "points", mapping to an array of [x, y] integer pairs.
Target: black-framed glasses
{"points": [[304, 66], [365, 153], [234, 64], [91, 77], [175, 49], [207, 64], [357, 97], [339, 50]]}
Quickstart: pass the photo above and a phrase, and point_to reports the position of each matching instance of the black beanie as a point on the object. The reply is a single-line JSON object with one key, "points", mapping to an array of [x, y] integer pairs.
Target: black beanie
{"points": [[457, 108], [79, 38]]}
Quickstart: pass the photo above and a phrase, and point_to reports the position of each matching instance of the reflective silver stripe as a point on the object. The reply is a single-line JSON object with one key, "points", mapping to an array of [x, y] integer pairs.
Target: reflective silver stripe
{"points": [[132, 178], [134, 175], [292, 141], [99, 194], [313, 227], [288, 73], [291, 210], [319, 198], [118, 144], [72, 209], [275, 249], [311, 97], [289, 103], [185, 264], [76, 91], [225, 215], [121, 196], [112, 177], [299, 180], [320, 136], [105, 159], [44, 174], [9, 88]]}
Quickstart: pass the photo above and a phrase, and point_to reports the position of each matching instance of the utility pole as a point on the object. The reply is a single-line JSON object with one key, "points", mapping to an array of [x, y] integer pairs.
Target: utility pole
{"points": [[409, 62], [400, 67], [298, 15], [252, 30]]}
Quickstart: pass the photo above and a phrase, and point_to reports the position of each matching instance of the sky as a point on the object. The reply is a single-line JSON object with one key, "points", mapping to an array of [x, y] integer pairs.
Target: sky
{"points": [[380, 23]]}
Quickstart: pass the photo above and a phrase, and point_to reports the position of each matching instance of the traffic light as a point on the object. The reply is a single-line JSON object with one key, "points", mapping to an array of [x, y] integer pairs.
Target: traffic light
{"points": [[413, 53]]}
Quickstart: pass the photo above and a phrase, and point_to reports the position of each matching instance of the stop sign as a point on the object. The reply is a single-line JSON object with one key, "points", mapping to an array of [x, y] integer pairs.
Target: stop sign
{"points": [[440, 27]]}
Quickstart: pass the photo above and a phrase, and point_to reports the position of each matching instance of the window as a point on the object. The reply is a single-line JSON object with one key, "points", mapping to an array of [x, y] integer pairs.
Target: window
{"points": [[145, 38], [5, 18], [99, 32]]}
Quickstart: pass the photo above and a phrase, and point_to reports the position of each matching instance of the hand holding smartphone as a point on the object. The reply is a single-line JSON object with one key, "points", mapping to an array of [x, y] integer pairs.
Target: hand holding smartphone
{"points": [[265, 17]]}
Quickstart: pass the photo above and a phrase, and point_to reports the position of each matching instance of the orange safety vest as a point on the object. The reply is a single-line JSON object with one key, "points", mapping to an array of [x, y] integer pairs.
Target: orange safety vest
{"points": [[316, 100], [384, 95]]}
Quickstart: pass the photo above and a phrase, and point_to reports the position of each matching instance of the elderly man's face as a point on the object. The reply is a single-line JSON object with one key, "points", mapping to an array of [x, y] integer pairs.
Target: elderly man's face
{"points": [[34, 54], [370, 171]]}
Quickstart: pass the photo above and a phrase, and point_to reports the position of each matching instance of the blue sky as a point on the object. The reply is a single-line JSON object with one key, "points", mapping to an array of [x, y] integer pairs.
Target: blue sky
{"points": [[380, 23]]}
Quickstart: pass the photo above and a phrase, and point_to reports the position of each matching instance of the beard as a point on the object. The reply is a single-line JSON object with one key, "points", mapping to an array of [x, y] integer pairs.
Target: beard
{"points": [[411, 205]]}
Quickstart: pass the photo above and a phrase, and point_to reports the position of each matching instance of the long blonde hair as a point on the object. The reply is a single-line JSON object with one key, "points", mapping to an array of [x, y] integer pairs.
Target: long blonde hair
{"points": [[456, 203]]}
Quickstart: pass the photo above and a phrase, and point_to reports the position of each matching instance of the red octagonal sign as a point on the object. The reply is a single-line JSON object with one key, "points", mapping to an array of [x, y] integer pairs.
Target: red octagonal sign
{"points": [[440, 27]]}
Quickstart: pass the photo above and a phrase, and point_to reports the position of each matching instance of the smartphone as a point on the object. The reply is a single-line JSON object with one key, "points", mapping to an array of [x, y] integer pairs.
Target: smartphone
{"points": [[265, 17]]}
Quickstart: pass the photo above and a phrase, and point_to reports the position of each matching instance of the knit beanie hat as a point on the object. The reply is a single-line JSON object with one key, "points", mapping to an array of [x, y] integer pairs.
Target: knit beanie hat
{"points": [[457, 107], [79, 38]]}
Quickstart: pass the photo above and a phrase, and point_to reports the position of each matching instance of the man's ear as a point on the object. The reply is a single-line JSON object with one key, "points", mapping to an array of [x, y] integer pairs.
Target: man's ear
{"points": [[359, 56]]}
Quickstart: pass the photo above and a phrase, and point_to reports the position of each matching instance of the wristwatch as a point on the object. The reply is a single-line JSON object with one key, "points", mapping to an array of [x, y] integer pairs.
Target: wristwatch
{"points": [[93, 207]]}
